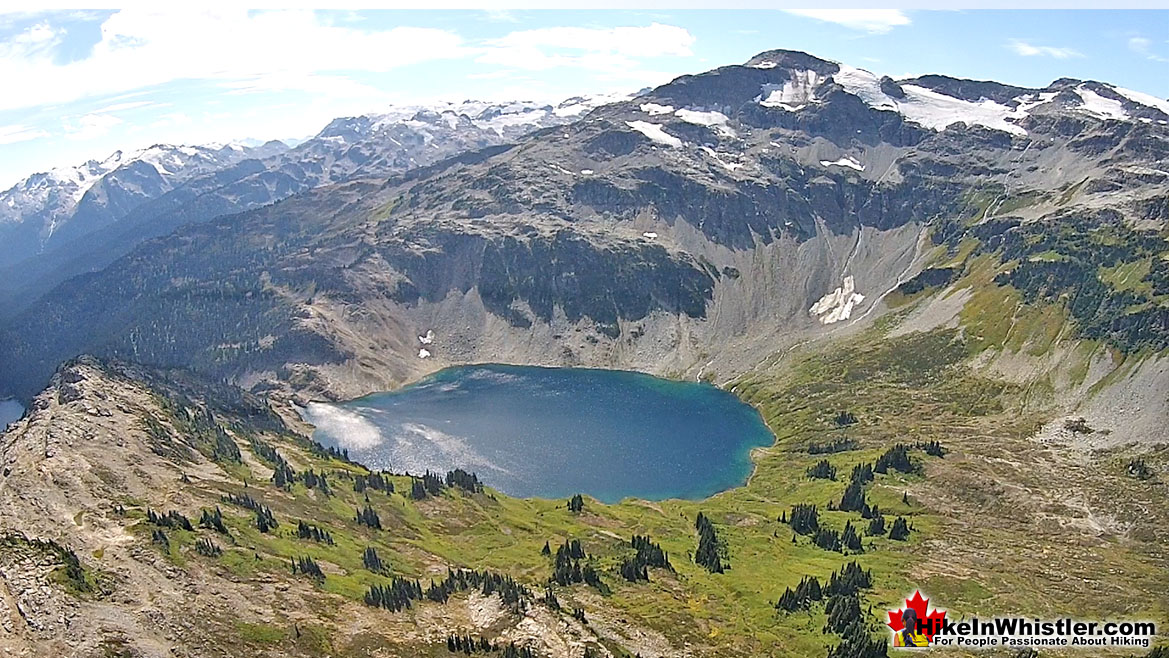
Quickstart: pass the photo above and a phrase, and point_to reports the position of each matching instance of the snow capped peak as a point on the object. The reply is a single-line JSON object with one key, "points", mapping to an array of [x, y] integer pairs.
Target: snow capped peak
{"points": [[49, 199]]}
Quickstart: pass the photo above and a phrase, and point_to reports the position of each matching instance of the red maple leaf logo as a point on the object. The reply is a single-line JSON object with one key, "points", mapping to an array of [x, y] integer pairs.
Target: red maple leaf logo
{"points": [[931, 622]]}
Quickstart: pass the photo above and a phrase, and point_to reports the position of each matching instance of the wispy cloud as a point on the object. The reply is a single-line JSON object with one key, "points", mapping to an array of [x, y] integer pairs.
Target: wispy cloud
{"points": [[873, 21], [1020, 47], [613, 53], [1144, 48], [141, 48], [20, 133], [90, 126]]}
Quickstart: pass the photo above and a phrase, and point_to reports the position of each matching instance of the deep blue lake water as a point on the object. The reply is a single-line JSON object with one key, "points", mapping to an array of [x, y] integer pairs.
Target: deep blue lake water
{"points": [[554, 432], [10, 412]]}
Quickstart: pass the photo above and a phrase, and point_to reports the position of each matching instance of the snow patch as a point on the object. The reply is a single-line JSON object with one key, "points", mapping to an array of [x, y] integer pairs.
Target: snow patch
{"points": [[654, 132], [650, 235], [765, 64], [794, 94], [428, 338], [424, 353], [1099, 106], [843, 162], [716, 120], [927, 107], [729, 166], [586, 172], [838, 304], [1147, 100]]}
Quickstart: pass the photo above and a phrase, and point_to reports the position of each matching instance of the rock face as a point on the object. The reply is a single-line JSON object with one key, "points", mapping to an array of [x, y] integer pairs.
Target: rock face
{"points": [[691, 230]]}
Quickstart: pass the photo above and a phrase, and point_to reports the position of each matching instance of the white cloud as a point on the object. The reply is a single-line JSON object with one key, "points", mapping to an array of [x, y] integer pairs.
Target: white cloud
{"points": [[873, 21], [1025, 49], [19, 133], [129, 105], [1144, 48], [608, 50], [91, 126], [145, 47]]}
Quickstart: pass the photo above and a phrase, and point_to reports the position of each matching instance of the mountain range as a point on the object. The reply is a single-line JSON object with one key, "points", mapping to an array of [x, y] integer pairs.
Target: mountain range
{"points": [[955, 291], [62, 223]]}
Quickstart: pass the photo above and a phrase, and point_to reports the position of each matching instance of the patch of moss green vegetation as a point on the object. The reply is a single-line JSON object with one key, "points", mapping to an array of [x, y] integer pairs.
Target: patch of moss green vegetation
{"points": [[259, 634], [847, 403]]}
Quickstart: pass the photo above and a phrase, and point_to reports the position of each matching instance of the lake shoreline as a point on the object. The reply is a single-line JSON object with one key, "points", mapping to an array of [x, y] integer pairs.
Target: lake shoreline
{"points": [[696, 436]]}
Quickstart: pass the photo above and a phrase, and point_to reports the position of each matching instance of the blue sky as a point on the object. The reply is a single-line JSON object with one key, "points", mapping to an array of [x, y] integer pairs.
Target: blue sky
{"points": [[81, 84]]}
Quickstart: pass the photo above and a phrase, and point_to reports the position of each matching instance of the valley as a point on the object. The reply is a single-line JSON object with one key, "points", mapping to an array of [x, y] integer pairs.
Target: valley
{"points": [[946, 300]]}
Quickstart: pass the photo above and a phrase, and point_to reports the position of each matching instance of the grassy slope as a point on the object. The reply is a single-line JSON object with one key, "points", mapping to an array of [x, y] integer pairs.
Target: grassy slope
{"points": [[904, 389]]}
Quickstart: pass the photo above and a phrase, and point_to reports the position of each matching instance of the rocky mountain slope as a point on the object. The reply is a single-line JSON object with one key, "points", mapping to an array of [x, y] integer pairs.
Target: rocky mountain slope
{"points": [[976, 273], [57, 225], [691, 230]]}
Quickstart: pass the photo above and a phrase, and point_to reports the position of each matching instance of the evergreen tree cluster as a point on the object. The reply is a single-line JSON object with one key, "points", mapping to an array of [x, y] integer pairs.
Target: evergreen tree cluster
{"points": [[313, 480], [309, 531], [513, 651], [330, 452], [932, 448], [896, 458], [373, 562], [282, 474], [648, 555], [862, 473], [549, 599], [567, 569], [900, 530], [430, 484], [468, 482], [579, 615], [395, 596], [834, 446], [845, 619], [400, 592], [804, 520], [823, 470], [849, 580], [225, 449], [709, 549], [375, 481], [206, 547], [367, 516], [157, 536], [853, 498], [307, 566], [827, 539], [844, 419], [876, 526], [831, 540], [466, 644], [802, 597], [265, 520], [213, 520], [576, 504], [171, 519]]}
